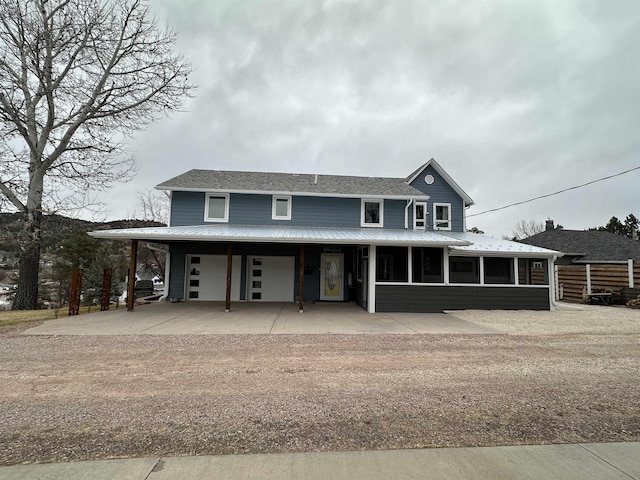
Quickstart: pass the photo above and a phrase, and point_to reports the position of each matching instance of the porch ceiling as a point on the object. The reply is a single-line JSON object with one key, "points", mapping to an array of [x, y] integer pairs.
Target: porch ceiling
{"points": [[282, 234]]}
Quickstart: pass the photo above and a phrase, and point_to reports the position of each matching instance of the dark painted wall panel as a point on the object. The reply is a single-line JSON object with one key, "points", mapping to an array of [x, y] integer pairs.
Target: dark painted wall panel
{"points": [[420, 298]]}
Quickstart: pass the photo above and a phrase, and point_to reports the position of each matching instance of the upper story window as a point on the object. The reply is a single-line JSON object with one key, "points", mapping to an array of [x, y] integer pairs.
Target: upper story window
{"points": [[216, 208], [281, 207], [442, 216], [372, 213], [420, 216]]}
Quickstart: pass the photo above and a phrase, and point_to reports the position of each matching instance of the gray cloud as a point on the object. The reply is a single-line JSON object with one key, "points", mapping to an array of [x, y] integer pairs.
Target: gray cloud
{"points": [[514, 99]]}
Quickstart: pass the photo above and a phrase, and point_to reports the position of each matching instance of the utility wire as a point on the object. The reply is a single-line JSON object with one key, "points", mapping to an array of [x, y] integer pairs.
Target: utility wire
{"points": [[554, 193]]}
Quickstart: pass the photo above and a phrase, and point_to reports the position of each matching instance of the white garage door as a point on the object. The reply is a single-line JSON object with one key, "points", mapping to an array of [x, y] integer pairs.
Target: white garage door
{"points": [[271, 279], [207, 277]]}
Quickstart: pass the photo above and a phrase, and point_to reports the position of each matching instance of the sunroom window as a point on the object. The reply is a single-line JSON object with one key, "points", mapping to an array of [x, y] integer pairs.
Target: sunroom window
{"points": [[392, 264], [498, 270], [464, 269], [427, 265], [216, 208], [442, 216]]}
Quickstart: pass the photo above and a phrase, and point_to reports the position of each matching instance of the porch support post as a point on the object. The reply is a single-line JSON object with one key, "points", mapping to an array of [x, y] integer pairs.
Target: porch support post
{"points": [[588, 273], [301, 281], [227, 298], [551, 267], [371, 301], [630, 269], [132, 275]]}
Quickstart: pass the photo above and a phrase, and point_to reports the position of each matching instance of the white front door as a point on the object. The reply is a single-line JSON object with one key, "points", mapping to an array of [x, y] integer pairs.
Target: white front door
{"points": [[331, 276], [270, 279]]}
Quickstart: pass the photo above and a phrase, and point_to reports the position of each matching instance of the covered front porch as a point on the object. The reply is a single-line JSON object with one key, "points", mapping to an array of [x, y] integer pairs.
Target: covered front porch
{"points": [[380, 270]]}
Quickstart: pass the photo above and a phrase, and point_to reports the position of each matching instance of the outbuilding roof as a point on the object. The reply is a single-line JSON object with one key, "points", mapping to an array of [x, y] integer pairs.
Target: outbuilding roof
{"points": [[587, 245], [291, 183]]}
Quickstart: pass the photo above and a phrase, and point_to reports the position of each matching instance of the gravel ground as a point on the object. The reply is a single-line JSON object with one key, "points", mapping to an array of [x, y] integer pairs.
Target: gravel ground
{"points": [[569, 376]]}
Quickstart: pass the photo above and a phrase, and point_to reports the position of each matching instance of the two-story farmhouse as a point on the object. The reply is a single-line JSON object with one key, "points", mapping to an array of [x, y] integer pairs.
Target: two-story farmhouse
{"points": [[389, 244]]}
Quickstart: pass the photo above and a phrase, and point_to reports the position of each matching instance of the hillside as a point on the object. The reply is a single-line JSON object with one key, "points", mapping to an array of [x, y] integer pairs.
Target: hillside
{"points": [[55, 228]]}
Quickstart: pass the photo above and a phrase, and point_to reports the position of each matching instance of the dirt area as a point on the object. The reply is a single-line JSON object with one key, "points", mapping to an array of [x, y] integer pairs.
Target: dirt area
{"points": [[565, 377]]}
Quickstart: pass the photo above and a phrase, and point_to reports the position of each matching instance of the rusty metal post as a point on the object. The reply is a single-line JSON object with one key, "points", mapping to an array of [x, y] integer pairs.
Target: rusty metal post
{"points": [[132, 276], [105, 295], [75, 292], [227, 298], [301, 281]]}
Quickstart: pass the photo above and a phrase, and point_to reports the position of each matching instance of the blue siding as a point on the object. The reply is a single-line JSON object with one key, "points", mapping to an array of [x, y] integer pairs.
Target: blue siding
{"points": [[394, 214], [440, 192], [249, 209], [187, 208]]}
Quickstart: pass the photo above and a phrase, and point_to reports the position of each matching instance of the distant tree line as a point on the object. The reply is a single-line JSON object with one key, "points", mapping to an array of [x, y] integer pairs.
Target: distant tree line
{"points": [[629, 228]]}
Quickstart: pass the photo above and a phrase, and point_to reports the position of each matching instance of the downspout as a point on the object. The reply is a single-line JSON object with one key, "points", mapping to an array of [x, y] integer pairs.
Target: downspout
{"points": [[464, 218], [167, 272], [552, 284], [406, 214]]}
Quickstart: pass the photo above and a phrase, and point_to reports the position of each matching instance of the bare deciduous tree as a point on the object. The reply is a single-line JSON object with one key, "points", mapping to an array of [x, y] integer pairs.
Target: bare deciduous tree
{"points": [[75, 77], [152, 205], [527, 228]]}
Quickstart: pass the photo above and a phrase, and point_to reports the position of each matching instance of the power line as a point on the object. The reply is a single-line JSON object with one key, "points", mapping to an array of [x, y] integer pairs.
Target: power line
{"points": [[554, 193]]}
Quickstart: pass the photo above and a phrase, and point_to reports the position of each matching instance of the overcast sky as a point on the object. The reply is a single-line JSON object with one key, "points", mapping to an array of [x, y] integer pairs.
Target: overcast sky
{"points": [[514, 99]]}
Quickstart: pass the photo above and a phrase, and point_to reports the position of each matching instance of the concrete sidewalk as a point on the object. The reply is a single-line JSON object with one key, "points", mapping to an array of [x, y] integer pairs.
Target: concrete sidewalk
{"points": [[597, 461], [209, 318]]}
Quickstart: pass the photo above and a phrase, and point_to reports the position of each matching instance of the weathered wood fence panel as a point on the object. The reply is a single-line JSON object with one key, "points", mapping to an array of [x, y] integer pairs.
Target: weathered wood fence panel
{"points": [[608, 277]]}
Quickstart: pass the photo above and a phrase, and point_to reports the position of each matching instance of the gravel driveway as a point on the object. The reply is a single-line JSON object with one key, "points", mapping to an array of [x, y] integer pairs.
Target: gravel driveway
{"points": [[568, 376]]}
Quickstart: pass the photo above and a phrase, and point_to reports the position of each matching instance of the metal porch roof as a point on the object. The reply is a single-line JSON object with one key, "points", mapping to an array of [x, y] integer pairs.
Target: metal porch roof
{"points": [[281, 234], [484, 245]]}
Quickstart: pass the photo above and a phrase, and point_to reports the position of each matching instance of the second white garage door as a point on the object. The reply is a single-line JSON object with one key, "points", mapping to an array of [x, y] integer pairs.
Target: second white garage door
{"points": [[270, 279]]}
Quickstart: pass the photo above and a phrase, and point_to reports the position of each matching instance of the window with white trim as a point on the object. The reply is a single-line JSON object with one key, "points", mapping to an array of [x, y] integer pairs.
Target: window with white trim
{"points": [[442, 216], [216, 207], [420, 215], [281, 207], [372, 212]]}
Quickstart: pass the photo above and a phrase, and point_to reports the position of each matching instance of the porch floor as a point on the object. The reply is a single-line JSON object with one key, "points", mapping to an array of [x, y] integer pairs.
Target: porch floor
{"points": [[206, 318]]}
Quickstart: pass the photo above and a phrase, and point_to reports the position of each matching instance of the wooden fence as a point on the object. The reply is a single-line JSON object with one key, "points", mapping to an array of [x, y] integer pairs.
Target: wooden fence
{"points": [[609, 277]]}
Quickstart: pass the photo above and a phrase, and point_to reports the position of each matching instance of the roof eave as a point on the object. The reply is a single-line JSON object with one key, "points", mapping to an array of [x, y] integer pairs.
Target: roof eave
{"points": [[417, 196], [159, 237], [467, 199]]}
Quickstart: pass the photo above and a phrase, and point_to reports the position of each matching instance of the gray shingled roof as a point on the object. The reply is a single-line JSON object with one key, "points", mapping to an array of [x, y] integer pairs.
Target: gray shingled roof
{"points": [[590, 245], [269, 182]]}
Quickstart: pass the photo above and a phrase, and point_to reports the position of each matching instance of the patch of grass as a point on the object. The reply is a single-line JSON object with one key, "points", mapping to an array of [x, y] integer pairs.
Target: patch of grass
{"points": [[24, 316]]}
